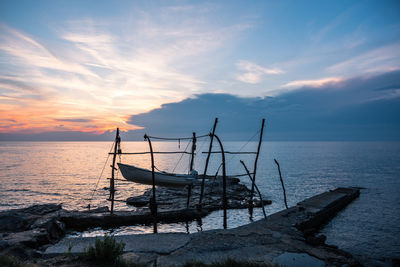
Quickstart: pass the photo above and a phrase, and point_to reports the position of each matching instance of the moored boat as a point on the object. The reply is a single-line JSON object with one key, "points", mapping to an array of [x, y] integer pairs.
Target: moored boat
{"points": [[144, 176]]}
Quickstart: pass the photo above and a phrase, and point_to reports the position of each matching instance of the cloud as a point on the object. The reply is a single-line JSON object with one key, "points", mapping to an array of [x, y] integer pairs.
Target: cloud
{"points": [[318, 83], [333, 24], [254, 73], [90, 68], [31, 53], [74, 120], [361, 108], [382, 59]]}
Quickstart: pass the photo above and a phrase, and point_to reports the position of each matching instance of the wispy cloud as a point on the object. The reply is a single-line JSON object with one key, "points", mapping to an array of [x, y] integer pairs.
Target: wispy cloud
{"points": [[33, 54], [94, 70], [74, 120], [254, 73], [317, 83], [339, 20], [385, 58]]}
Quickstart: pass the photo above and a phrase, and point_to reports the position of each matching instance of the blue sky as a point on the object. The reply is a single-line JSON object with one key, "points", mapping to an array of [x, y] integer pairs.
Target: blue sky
{"points": [[89, 66]]}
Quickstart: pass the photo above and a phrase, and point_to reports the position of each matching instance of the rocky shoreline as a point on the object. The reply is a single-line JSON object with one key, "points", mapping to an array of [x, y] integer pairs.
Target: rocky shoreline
{"points": [[36, 233], [27, 232]]}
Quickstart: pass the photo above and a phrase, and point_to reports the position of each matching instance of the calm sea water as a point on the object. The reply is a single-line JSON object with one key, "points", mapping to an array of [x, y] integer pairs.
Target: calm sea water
{"points": [[369, 228]]}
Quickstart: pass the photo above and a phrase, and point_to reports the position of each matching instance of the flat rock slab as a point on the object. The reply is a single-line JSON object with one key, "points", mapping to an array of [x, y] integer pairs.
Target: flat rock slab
{"points": [[322, 201], [143, 243], [297, 260]]}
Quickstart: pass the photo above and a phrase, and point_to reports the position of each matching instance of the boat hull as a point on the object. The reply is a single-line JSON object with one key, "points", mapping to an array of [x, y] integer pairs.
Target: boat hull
{"points": [[143, 176]]}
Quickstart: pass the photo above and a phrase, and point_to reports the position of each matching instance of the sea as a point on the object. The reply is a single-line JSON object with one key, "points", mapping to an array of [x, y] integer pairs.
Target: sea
{"points": [[76, 174]]}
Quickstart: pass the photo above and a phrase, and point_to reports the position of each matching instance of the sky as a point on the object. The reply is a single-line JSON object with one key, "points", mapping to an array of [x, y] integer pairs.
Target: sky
{"points": [[76, 70]]}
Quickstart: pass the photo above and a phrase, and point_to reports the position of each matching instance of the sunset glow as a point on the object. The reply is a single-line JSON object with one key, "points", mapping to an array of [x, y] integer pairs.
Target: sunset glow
{"points": [[88, 68]]}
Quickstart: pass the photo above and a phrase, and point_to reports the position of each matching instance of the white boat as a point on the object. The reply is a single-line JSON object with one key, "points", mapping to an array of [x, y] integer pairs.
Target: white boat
{"points": [[144, 176]]}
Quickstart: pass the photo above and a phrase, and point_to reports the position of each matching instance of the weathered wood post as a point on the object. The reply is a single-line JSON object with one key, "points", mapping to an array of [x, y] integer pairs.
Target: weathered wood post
{"points": [[194, 140], [283, 186], [255, 169], [258, 191], [224, 198], [112, 184], [207, 160], [153, 202]]}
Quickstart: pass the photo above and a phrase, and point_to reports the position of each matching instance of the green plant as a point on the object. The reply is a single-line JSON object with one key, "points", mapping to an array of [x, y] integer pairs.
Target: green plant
{"points": [[69, 248], [68, 253], [105, 251]]}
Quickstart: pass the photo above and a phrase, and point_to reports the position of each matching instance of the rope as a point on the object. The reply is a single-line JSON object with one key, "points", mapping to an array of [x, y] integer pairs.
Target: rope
{"points": [[101, 174], [155, 167], [212, 186], [177, 138], [120, 160], [234, 155], [201, 147], [176, 165]]}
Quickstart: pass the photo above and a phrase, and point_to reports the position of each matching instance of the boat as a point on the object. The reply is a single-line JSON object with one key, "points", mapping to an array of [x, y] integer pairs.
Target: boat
{"points": [[144, 176]]}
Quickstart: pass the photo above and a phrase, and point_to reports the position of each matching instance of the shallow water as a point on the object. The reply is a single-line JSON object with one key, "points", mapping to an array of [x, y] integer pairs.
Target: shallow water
{"points": [[67, 172]]}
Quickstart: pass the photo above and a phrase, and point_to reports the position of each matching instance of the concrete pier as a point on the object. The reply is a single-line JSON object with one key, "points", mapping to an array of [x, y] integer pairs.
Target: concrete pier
{"points": [[286, 236]]}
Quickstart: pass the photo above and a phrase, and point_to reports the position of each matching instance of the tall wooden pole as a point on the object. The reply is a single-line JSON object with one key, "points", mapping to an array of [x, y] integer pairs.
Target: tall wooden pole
{"points": [[193, 150], [224, 198], [112, 188], [153, 202], [191, 168], [207, 160], [283, 186], [255, 167], [258, 191]]}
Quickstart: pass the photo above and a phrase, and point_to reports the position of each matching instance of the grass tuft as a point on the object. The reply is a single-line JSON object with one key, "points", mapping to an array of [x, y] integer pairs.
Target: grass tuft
{"points": [[106, 251]]}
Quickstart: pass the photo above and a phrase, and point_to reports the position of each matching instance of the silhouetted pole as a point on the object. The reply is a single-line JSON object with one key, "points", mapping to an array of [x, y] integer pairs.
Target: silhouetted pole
{"points": [[191, 167], [112, 187], [193, 150], [207, 160], [224, 198], [153, 202], [255, 168], [258, 191], [283, 186]]}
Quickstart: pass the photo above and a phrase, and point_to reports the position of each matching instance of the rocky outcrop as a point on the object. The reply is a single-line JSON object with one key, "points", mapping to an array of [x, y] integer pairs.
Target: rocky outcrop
{"points": [[23, 231], [238, 196], [23, 219]]}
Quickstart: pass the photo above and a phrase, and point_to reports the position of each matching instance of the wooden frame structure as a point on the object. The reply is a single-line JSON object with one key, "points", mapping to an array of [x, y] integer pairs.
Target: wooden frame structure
{"points": [[212, 135]]}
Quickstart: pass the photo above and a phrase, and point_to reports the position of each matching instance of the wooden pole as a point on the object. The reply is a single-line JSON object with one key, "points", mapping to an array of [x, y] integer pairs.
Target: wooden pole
{"points": [[255, 167], [191, 168], [193, 150], [224, 198], [112, 188], [153, 202], [258, 191], [188, 196], [207, 160], [283, 186]]}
